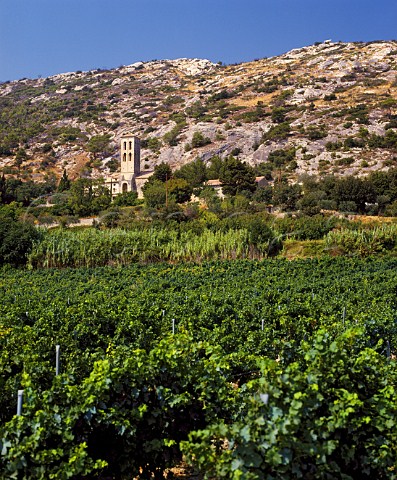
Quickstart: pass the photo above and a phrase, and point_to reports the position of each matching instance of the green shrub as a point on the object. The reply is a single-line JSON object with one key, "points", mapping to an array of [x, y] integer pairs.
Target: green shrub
{"points": [[333, 146], [152, 143], [16, 241], [331, 414], [316, 133], [281, 157], [277, 132], [305, 227], [125, 199], [199, 140], [99, 144], [345, 161]]}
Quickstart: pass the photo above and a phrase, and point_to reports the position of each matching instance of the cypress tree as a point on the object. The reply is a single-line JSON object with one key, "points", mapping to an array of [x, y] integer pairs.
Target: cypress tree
{"points": [[64, 183]]}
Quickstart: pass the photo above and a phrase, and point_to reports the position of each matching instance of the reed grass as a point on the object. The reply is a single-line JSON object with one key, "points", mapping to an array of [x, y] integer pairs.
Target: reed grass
{"points": [[362, 242], [91, 247]]}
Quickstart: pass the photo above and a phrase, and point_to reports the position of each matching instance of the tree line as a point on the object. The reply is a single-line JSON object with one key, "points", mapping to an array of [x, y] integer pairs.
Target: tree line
{"points": [[375, 194]]}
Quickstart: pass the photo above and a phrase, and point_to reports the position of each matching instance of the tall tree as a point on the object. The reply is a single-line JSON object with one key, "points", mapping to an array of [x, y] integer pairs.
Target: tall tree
{"points": [[3, 187], [162, 172], [179, 189], [20, 157], [286, 196], [352, 189], [64, 183], [154, 193], [236, 177], [214, 168], [88, 197], [195, 173]]}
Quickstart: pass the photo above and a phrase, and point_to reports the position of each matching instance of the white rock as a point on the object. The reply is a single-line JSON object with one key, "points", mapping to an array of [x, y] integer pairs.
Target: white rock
{"points": [[118, 81]]}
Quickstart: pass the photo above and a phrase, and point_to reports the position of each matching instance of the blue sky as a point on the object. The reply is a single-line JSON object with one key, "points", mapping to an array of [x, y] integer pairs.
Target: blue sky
{"points": [[45, 37]]}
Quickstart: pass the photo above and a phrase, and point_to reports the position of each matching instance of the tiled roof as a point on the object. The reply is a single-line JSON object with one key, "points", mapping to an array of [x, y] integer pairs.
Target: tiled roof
{"points": [[213, 183]]}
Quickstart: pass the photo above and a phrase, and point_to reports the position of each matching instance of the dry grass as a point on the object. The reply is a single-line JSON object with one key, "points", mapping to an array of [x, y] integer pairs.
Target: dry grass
{"points": [[251, 101], [368, 219], [81, 159]]}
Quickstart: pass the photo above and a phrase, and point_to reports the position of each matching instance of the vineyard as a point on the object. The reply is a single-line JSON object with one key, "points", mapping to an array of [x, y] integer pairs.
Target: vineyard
{"points": [[244, 370]]}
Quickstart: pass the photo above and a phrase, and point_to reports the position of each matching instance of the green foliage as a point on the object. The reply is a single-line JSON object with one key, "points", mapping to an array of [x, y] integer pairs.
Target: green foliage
{"points": [[263, 195], [20, 157], [328, 415], [152, 143], [128, 414], [389, 140], [316, 132], [286, 196], [179, 190], [306, 227], [264, 169], [199, 140], [162, 172], [67, 134], [15, 190], [236, 177], [64, 183], [221, 95], [91, 248], [197, 111], [352, 142], [16, 238], [362, 242], [173, 100], [267, 87], [85, 197], [154, 193], [278, 114], [47, 148], [385, 183], [253, 115], [349, 194], [129, 393], [333, 146], [311, 202], [277, 132], [262, 238], [391, 210], [282, 157], [195, 173], [214, 167], [126, 199], [171, 137], [113, 165], [99, 144], [358, 114], [344, 161], [352, 189]]}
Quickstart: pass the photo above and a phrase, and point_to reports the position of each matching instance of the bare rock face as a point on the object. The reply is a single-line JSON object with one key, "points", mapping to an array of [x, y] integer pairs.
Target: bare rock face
{"points": [[262, 153], [320, 100], [192, 67]]}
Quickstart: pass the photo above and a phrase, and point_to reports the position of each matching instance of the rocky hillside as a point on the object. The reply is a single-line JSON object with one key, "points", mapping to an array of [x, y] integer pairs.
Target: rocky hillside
{"points": [[322, 109]]}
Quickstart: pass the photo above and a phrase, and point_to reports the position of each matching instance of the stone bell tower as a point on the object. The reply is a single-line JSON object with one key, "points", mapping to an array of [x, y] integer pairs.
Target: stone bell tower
{"points": [[130, 152]]}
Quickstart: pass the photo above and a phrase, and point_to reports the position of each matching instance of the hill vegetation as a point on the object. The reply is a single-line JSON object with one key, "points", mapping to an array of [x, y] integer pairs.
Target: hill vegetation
{"points": [[330, 107]]}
